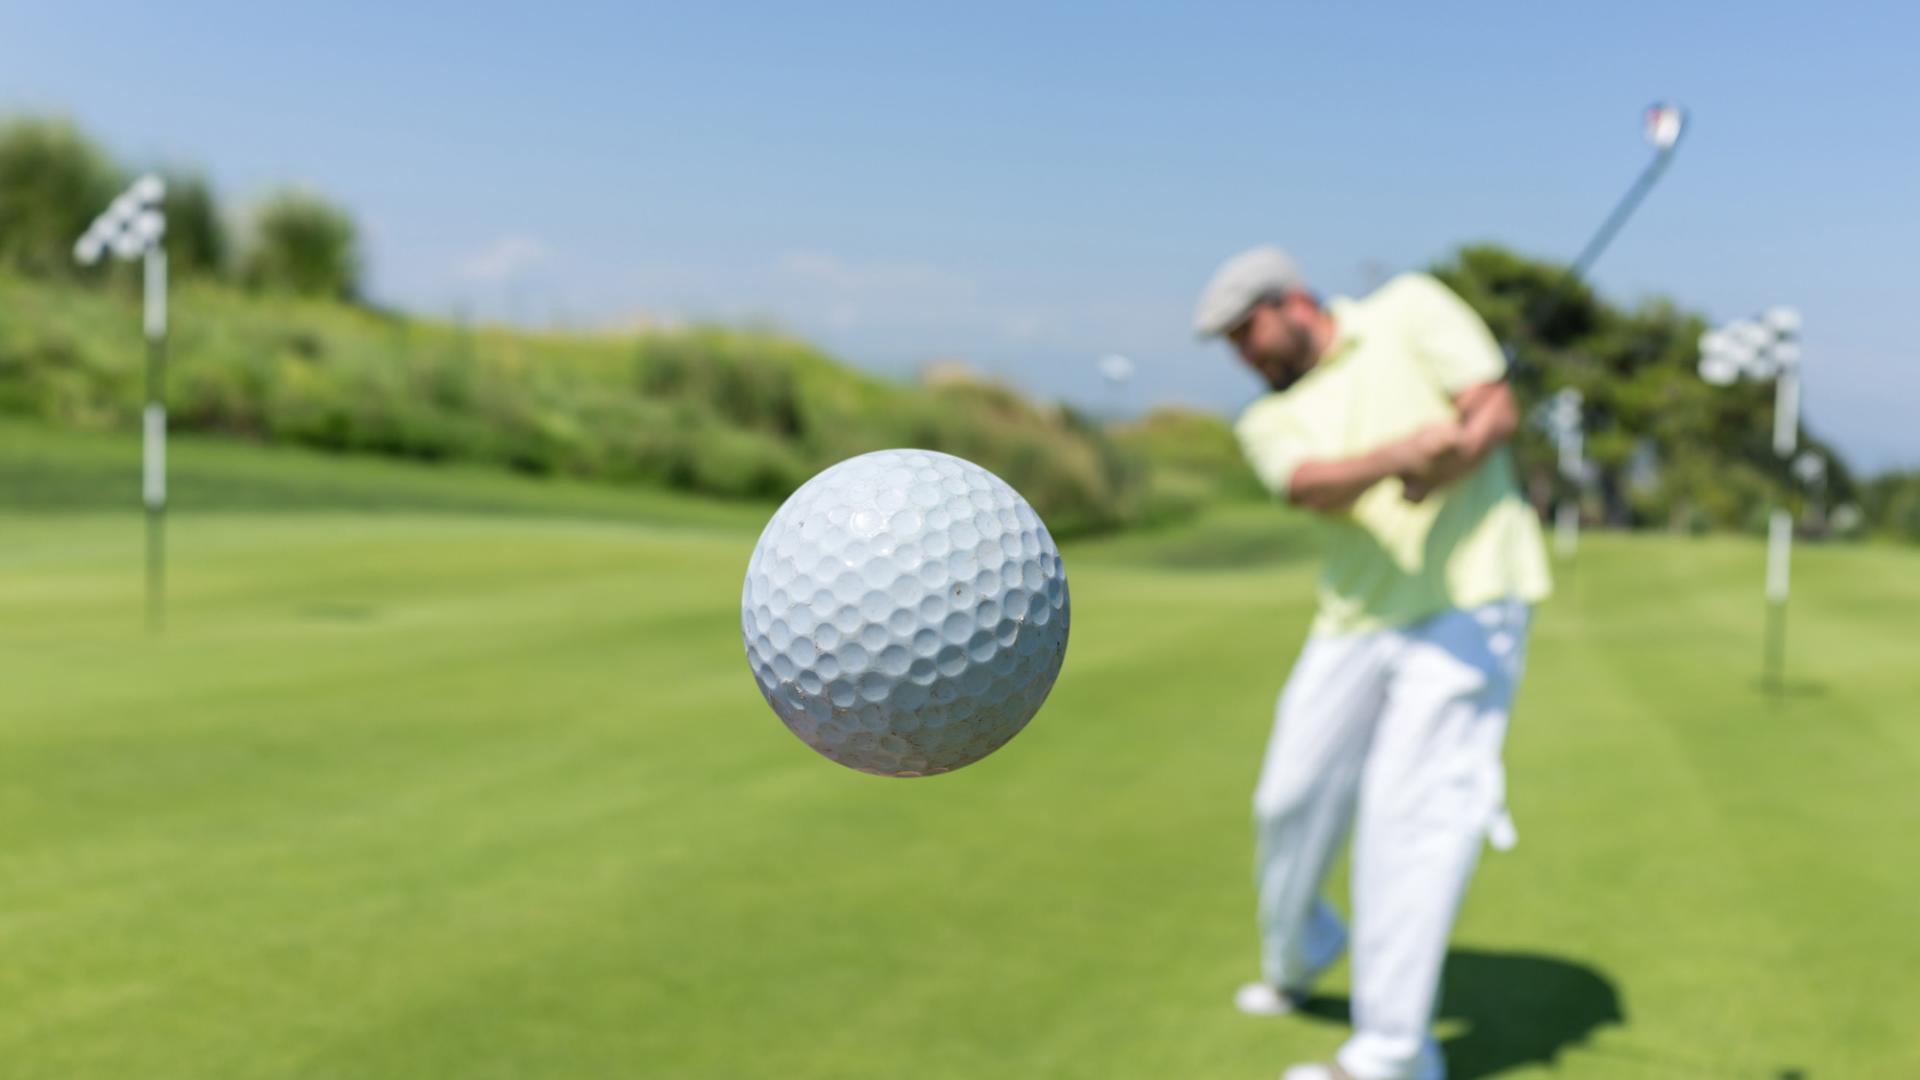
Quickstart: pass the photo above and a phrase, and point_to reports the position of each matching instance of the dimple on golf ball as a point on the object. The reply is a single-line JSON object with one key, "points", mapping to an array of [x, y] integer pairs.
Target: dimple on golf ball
{"points": [[905, 613]]}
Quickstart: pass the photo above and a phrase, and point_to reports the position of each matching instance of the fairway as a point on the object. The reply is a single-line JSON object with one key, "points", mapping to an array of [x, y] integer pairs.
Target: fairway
{"points": [[489, 792]]}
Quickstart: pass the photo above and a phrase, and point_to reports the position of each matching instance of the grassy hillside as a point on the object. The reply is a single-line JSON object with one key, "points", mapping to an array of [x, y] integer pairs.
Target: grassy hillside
{"points": [[743, 414], [489, 792], [1194, 456]]}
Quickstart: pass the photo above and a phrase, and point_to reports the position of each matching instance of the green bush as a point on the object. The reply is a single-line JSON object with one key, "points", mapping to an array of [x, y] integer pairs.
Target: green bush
{"points": [[728, 413], [302, 244], [1185, 459], [1892, 503], [197, 241]]}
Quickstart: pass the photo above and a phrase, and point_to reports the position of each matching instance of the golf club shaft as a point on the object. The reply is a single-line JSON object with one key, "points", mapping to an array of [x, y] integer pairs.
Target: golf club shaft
{"points": [[1609, 228], [1621, 212]]}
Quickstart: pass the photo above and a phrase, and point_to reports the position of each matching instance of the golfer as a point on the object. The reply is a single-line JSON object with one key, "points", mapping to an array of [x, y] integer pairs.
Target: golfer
{"points": [[1390, 419]]}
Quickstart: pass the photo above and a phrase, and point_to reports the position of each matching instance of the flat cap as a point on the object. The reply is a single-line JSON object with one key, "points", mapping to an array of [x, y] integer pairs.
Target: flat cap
{"points": [[1241, 282]]}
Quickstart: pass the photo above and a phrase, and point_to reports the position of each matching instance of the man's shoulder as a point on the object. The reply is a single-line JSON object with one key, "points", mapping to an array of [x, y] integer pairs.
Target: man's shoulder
{"points": [[1419, 312], [1291, 413], [1307, 395], [1261, 410], [1409, 294]]}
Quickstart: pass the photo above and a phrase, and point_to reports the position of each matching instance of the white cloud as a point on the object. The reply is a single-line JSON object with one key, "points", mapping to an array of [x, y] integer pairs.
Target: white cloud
{"points": [[843, 316], [894, 314], [1023, 326], [904, 284], [507, 258], [845, 294], [816, 266]]}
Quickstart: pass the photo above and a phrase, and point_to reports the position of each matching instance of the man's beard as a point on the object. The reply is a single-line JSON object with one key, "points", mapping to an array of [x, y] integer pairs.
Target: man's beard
{"points": [[1281, 381], [1287, 369]]}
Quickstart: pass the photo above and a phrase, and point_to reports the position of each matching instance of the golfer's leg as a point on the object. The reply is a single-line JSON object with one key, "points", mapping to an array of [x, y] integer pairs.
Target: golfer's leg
{"points": [[1431, 789], [1304, 800]]}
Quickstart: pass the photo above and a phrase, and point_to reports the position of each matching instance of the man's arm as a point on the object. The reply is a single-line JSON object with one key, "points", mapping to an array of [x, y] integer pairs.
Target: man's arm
{"points": [[1488, 418], [1330, 486], [1425, 461]]}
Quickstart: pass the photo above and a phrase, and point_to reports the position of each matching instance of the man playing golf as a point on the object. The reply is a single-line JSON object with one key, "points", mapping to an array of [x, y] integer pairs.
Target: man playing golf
{"points": [[1388, 417]]}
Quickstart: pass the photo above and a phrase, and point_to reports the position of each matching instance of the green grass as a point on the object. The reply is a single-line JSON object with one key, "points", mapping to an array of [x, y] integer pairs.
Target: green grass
{"points": [[58, 472], [487, 791]]}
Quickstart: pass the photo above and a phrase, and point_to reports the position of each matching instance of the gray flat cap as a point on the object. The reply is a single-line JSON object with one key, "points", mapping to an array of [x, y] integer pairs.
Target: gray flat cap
{"points": [[1241, 282]]}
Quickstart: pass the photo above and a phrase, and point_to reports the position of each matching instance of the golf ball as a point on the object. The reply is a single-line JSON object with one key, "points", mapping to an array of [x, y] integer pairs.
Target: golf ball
{"points": [[905, 613]]}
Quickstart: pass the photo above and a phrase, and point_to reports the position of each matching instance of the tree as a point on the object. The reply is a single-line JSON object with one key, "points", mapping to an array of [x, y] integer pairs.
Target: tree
{"points": [[303, 244], [196, 234], [1635, 369], [53, 180], [1892, 504]]}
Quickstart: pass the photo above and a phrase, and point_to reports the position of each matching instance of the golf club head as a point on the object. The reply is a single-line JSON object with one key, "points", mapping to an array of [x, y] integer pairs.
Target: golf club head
{"points": [[1664, 125]]}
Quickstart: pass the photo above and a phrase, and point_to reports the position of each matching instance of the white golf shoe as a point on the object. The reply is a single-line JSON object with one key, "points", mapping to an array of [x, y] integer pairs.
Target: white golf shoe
{"points": [[1266, 999], [1263, 999], [1431, 1066], [1316, 1071]]}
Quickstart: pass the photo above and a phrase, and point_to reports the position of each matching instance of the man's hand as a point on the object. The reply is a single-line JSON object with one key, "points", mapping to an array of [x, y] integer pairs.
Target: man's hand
{"points": [[1434, 456], [1429, 448], [1488, 417], [1332, 486]]}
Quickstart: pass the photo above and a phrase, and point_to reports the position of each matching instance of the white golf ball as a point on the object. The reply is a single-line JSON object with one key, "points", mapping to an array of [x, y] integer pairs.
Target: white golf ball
{"points": [[905, 613]]}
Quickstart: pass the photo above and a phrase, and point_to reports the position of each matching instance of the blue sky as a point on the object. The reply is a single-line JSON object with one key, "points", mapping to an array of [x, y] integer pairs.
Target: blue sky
{"points": [[1029, 186]]}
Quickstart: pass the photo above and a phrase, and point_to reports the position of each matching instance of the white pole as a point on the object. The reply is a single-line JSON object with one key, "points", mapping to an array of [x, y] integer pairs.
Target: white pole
{"points": [[1566, 528], [1786, 432], [156, 294], [1779, 559], [1566, 517], [1779, 554], [1786, 412], [154, 430], [154, 463]]}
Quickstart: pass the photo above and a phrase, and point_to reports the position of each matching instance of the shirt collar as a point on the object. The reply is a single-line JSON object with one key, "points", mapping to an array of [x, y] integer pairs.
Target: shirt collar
{"points": [[1349, 325]]}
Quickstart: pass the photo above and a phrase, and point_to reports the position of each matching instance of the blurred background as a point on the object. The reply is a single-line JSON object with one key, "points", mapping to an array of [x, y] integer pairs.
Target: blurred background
{"points": [[494, 337]]}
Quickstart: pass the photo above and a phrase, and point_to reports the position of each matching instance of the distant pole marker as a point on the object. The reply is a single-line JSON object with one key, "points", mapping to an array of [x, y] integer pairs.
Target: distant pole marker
{"points": [[134, 226], [1561, 417], [1762, 349]]}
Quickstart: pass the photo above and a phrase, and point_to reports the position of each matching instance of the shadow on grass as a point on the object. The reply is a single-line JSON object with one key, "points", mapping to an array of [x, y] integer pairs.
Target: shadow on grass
{"points": [[1790, 688], [1518, 1009]]}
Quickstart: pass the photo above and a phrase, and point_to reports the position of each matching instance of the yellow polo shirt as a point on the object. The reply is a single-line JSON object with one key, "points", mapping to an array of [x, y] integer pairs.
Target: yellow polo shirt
{"points": [[1398, 358]]}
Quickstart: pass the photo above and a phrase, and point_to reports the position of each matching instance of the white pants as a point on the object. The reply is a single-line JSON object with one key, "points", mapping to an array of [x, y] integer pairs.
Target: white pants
{"points": [[1403, 726]]}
